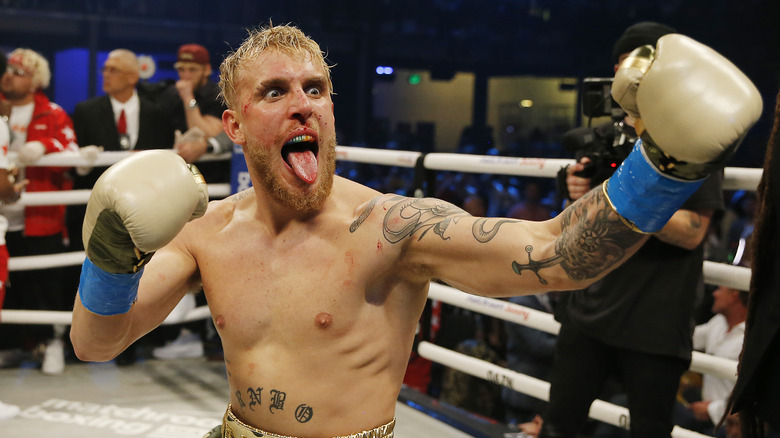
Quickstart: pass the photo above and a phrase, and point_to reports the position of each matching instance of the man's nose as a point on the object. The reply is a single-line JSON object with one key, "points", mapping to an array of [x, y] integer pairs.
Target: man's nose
{"points": [[300, 106]]}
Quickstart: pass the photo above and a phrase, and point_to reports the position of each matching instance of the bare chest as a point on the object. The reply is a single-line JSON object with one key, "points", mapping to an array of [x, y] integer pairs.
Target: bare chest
{"points": [[311, 287]]}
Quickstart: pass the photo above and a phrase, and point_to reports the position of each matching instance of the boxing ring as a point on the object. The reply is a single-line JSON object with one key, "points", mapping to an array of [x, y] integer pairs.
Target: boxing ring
{"points": [[714, 273]]}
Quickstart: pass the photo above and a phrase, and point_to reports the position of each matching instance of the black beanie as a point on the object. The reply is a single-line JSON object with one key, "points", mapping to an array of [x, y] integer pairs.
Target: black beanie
{"points": [[640, 34]]}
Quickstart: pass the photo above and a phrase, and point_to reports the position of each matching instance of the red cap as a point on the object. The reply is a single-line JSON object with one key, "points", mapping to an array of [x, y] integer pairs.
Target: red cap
{"points": [[193, 53]]}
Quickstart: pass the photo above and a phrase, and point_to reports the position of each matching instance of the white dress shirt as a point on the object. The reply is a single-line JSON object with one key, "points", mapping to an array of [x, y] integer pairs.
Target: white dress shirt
{"points": [[132, 115], [715, 338]]}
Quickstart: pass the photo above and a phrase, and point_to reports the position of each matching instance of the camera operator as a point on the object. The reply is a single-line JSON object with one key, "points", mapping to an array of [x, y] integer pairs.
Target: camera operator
{"points": [[632, 329]]}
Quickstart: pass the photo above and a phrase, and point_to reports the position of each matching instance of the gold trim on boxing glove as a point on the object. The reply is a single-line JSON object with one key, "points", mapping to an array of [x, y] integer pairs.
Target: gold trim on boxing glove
{"points": [[196, 174], [640, 58], [627, 222]]}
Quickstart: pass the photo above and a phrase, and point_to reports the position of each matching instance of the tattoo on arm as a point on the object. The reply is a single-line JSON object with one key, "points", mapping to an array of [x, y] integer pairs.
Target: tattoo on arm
{"points": [[534, 266], [484, 236], [413, 214], [694, 220], [593, 237]]}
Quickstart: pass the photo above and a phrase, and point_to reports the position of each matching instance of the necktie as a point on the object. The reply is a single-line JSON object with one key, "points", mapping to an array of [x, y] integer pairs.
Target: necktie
{"points": [[121, 125]]}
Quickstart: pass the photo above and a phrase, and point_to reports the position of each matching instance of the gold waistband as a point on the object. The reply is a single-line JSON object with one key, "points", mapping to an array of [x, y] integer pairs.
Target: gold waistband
{"points": [[232, 427]]}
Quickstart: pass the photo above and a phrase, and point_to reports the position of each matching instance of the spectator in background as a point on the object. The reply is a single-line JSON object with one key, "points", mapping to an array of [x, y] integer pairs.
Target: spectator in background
{"points": [[195, 110], [721, 336], [38, 127], [636, 323], [475, 205], [9, 192], [118, 120], [531, 207]]}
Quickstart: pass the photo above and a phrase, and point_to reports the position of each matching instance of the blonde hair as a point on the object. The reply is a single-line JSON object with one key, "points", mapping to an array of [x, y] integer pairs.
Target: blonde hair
{"points": [[33, 62], [285, 38]]}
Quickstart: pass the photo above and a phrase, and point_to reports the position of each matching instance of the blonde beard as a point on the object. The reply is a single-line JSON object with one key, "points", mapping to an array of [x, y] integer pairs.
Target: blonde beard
{"points": [[272, 183]]}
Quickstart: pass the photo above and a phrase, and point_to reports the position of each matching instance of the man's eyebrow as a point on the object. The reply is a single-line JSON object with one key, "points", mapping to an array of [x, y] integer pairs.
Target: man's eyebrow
{"points": [[272, 83]]}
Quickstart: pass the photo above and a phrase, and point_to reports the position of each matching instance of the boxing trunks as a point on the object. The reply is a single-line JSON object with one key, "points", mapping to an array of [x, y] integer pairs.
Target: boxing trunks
{"points": [[232, 427]]}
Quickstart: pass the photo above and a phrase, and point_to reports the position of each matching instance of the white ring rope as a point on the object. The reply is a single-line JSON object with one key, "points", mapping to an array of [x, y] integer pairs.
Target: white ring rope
{"points": [[377, 156], [599, 410], [539, 167], [723, 274], [49, 317], [700, 362], [107, 158], [79, 197], [735, 177]]}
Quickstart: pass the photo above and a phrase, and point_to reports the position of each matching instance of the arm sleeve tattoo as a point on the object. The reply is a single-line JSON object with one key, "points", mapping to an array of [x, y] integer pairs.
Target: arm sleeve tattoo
{"points": [[593, 237]]}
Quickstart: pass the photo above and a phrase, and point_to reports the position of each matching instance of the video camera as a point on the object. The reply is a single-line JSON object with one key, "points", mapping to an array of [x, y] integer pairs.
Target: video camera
{"points": [[606, 145]]}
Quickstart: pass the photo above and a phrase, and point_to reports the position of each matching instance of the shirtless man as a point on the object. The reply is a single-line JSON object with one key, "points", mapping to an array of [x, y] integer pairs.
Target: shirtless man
{"points": [[316, 283]]}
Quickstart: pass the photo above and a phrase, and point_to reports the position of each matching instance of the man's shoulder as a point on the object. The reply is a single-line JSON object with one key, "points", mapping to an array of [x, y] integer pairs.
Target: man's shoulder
{"points": [[218, 215], [91, 103]]}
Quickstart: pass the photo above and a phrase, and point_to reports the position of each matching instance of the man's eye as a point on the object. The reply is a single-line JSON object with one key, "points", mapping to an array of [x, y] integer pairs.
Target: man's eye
{"points": [[272, 94], [314, 90]]}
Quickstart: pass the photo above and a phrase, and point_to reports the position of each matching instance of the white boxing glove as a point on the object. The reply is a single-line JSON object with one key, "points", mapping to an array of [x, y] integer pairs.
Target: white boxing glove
{"points": [[31, 152], [693, 108], [691, 102], [136, 207]]}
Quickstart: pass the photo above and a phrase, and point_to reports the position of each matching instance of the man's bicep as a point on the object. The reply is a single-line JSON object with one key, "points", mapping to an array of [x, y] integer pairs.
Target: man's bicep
{"points": [[490, 256]]}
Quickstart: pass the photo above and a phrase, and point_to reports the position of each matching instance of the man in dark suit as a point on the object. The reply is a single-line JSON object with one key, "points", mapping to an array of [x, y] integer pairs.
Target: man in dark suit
{"points": [[118, 120], [99, 121]]}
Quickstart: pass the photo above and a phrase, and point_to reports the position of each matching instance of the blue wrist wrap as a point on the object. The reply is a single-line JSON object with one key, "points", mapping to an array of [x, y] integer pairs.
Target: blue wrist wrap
{"points": [[643, 195], [105, 293]]}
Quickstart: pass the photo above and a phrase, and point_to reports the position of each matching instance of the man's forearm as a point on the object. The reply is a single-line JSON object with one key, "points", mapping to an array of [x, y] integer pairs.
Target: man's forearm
{"points": [[98, 338]]}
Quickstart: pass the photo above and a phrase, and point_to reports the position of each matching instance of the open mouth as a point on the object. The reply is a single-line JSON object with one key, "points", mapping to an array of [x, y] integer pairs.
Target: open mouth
{"points": [[300, 153]]}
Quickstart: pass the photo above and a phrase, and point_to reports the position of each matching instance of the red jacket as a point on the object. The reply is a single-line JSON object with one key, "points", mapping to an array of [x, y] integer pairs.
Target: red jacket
{"points": [[51, 126]]}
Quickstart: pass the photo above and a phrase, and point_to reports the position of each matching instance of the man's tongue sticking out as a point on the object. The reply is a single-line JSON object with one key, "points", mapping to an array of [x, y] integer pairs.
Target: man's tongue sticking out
{"points": [[304, 164]]}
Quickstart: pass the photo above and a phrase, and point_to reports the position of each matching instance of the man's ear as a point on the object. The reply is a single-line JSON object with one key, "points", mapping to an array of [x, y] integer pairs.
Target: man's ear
{"points": [[232, 126]]}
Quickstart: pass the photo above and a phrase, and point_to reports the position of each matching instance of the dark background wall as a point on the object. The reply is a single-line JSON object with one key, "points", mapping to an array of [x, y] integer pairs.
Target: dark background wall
{"points": [[571, 38]]}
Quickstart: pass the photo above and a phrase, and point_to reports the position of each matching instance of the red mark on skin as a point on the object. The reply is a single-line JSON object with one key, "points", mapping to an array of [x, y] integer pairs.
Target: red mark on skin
{"points": [[350, 260], [243, 111], [379, 246], [220, 321], [252, 367], [323, 320]]}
